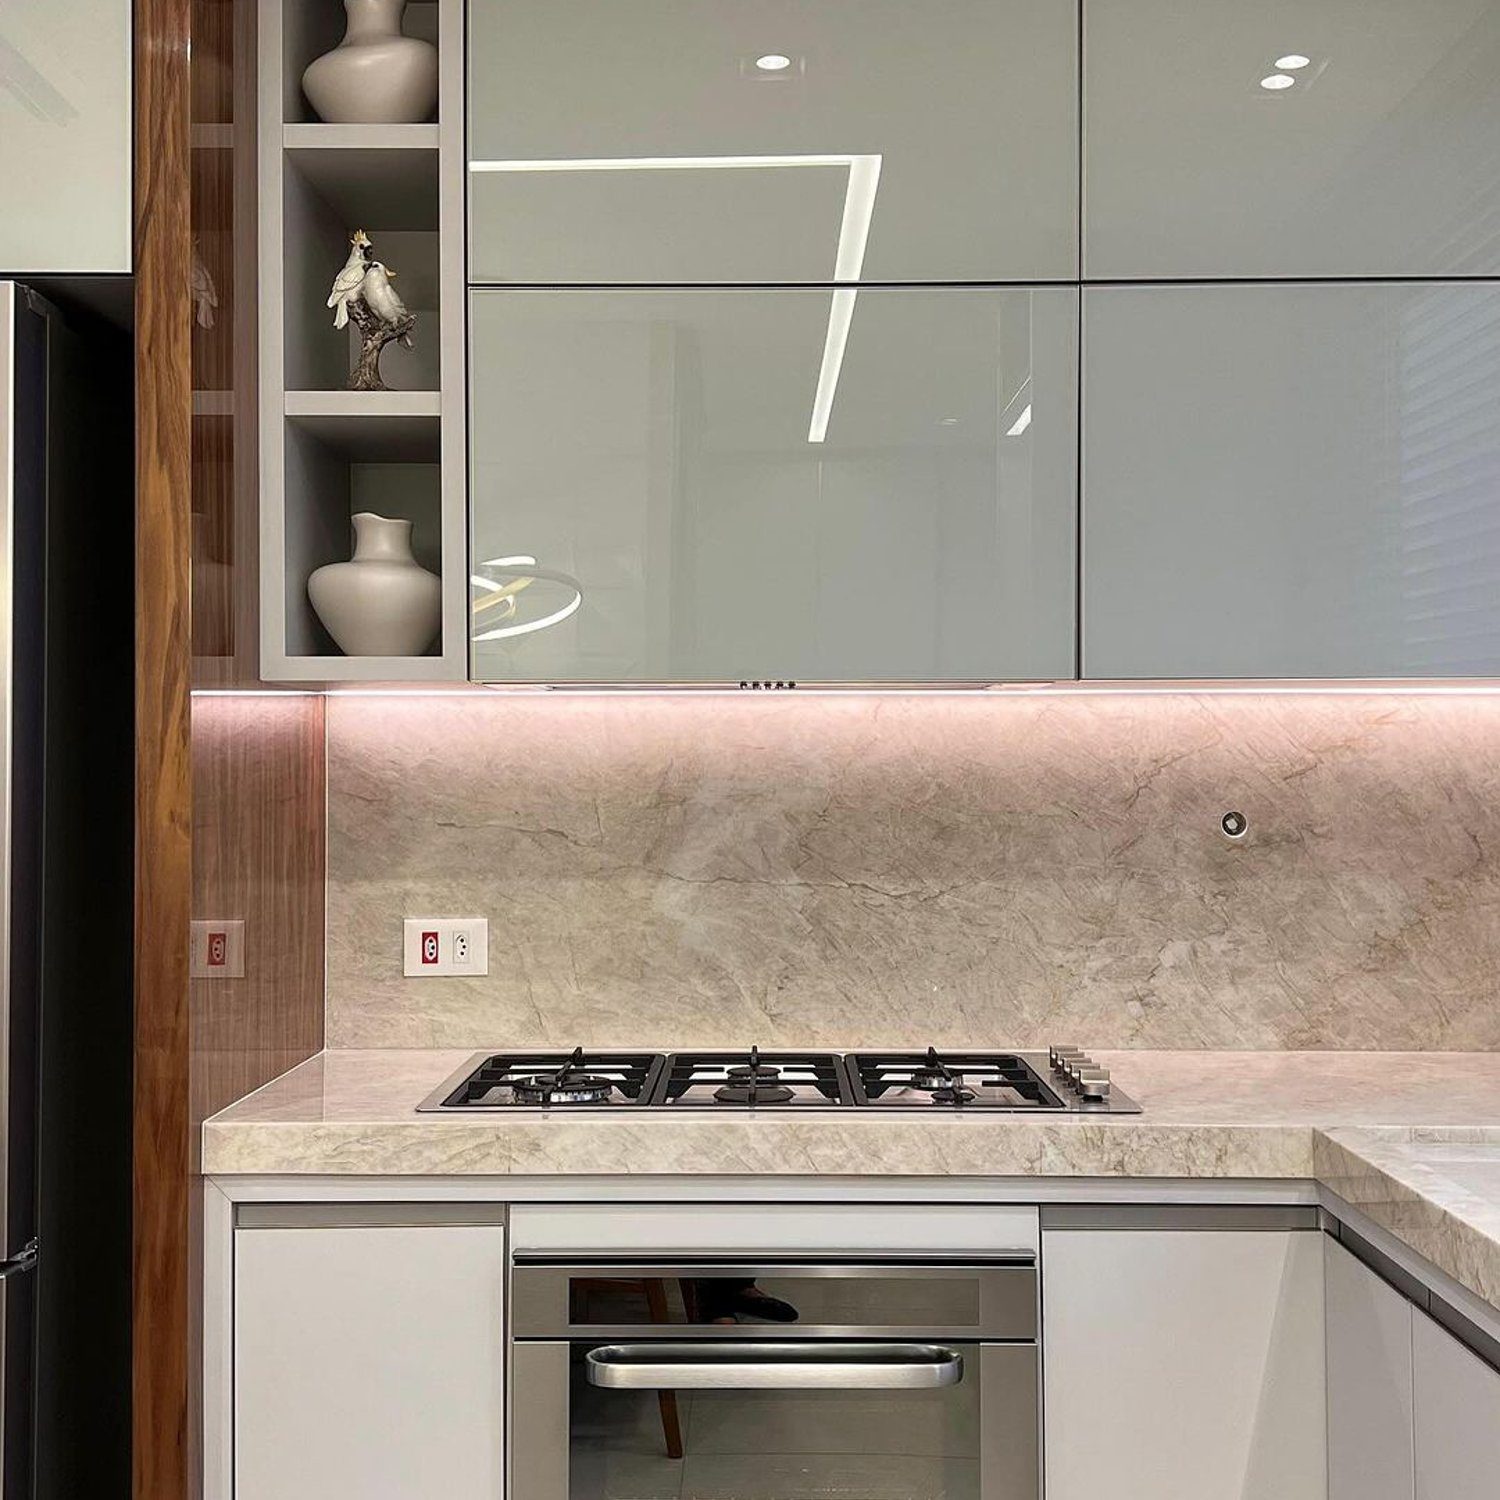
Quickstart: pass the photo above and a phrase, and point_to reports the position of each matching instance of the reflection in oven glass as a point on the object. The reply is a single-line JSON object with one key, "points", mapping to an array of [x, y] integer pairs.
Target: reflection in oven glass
{"points": [[817, 1301], [774, 1445]]}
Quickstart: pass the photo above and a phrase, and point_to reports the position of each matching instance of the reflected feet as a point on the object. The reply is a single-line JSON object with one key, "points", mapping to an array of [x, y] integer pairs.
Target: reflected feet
{"points": [[723, 1299]]}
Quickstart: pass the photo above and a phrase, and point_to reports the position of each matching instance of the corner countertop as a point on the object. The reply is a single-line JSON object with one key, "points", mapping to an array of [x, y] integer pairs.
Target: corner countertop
{"points": [[1412, 1139]]}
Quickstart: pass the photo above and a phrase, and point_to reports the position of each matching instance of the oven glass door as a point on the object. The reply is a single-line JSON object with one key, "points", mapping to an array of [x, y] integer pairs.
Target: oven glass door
{"points": [[809, 1420], [756, 1301]]}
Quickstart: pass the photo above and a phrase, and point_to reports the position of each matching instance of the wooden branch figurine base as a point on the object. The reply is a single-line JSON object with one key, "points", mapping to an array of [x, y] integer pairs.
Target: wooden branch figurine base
{"points": [[376, 334]]}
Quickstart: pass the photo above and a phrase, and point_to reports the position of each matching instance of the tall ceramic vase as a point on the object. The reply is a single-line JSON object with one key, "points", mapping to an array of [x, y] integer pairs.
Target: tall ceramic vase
{"points": [[382, 602], [375, 76]]}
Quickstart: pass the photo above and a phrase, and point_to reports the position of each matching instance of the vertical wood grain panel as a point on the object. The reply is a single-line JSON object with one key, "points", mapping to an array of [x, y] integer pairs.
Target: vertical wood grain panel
{"points": [[163, 890], [258, 841]]}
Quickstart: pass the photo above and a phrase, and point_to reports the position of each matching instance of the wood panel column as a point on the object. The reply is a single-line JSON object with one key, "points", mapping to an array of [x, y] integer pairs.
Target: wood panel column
{"points": [[163, 785]]}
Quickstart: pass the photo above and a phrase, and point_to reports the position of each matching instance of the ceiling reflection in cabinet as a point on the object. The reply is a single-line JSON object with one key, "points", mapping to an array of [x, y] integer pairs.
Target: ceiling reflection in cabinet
{"points": [[732, 504], [681, 141]]}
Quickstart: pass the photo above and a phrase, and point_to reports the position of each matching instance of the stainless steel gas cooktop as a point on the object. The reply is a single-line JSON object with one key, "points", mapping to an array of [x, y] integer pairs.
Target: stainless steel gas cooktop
{"points": [[1062, 1080]]}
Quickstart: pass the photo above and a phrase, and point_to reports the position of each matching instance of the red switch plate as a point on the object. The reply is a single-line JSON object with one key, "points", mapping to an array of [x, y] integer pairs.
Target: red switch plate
{"points": [[218, 949], [429, 947]]}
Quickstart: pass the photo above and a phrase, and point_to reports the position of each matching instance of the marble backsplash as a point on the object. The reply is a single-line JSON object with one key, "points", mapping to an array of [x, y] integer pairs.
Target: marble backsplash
{"points": [[865, 870]]}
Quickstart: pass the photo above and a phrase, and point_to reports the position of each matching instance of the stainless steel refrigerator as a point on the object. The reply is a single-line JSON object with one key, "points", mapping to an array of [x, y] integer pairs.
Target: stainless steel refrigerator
{"points": [[66, 746]]}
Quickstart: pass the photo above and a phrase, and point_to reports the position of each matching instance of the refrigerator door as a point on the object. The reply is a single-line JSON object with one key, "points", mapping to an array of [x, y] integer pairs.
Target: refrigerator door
{"points": [[23, 477], [17, 1374]]}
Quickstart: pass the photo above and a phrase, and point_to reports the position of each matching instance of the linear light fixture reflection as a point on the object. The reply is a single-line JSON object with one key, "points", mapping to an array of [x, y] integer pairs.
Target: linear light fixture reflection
{"points": [[1021, 423], [849, 259], [525, 565]]}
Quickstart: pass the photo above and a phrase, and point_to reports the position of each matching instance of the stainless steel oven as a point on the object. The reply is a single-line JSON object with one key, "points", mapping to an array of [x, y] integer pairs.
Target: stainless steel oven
{"points": [[774, 1379]]}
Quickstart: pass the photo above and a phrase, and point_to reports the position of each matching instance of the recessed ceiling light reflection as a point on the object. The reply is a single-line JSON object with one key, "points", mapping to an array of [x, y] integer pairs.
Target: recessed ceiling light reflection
{"points": [[779, 62], [1278, 81], [1292, 61]]}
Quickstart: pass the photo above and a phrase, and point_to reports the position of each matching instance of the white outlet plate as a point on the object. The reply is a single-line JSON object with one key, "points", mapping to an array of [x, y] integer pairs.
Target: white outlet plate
{"points": [[218, 950], [434, 947]]}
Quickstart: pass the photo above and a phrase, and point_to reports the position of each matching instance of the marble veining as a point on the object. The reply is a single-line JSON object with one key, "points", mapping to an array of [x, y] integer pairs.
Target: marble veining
{"points": [[884, 871]]}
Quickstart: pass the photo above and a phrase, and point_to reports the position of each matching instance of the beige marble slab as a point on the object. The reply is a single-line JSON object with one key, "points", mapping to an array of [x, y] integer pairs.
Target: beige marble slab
{"points": [[1412, 1139], [1218, 1114], [981, 870], [1437, 1190]]}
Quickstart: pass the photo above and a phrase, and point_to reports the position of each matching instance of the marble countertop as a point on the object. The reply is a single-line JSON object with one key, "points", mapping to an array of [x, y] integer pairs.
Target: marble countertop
{"points": [[1412, 1139], [1207, 1114]]}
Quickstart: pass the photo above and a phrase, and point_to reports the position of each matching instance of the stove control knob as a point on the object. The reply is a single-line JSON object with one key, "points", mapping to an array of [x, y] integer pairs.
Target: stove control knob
{"points": [[1058, 1056], [1076, 1066], [1093, 1083]]}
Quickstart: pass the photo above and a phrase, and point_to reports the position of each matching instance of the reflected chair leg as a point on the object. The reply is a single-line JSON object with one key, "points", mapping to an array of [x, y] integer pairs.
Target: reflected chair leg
{"points": [[671, 1421]]}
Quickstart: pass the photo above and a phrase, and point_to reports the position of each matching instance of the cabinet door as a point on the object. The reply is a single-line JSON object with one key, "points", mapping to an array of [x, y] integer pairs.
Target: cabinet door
{"points": [[65, 134], [1291, 481], [1369, 152], [1458, 1417], [1183, 1365], [368, 1362], [795, 485], [1369, 1382], [671, 141]]}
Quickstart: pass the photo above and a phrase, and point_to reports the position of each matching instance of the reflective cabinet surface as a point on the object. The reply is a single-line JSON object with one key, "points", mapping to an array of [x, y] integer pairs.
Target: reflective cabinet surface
{"points": [[1291, 481], [795, 485], [1283, 139], [672, 141], [65, 135]]}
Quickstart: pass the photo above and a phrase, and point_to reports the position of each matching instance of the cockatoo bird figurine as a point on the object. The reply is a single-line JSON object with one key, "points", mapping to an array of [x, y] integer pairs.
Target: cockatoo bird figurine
{"points": [[383, 299], [348, 283]]}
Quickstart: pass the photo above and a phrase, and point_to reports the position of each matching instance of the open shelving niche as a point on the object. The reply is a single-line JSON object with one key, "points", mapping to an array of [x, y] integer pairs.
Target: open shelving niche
{"points": [[327, 452]]}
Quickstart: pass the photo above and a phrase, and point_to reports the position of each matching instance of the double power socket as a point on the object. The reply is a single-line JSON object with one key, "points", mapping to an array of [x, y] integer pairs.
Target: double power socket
{"points": [[438, 946]]}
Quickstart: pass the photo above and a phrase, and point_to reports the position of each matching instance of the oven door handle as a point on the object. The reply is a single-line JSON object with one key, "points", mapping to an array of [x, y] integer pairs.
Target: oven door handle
{"points": [[774, 1367]]}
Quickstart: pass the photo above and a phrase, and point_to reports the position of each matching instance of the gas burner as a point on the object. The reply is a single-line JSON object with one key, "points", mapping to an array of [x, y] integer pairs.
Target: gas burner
{"points": [[513, 1080], [780, 1080], [562, 1087], [953, 1092], [934, 1074], [570, 1084], [754, 1082]]}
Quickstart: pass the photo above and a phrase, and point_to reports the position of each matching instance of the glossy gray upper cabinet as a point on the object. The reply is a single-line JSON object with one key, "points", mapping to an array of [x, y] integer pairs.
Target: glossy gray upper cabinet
{"points": [[749, 141], [1284, 139], [721, 486], [1291, 481], [65, 134]]}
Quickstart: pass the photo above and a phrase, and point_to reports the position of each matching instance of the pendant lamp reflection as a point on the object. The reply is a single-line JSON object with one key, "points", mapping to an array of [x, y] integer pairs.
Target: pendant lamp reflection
{"points": [[501, 581]]}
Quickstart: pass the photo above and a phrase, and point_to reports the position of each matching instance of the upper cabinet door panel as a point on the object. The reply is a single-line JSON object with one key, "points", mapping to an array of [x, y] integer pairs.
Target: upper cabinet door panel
{"points": [[65, 134], [902, 140], [1377, 159], [797, 484], [1291, 481]]}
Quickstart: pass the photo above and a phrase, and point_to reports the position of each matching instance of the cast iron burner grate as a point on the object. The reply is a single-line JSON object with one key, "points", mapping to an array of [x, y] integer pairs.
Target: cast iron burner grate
{"points": [[777, 1080], [954, 1080], [509, 1080]]}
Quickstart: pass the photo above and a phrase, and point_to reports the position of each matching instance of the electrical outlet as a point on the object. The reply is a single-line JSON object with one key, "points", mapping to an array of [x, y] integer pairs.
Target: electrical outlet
{"points": [[438, 946], [218, 950]]}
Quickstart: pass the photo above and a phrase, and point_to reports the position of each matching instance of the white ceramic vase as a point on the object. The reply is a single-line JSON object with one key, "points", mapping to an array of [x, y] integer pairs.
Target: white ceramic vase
{"points": [[375, 76], [382, 602]]}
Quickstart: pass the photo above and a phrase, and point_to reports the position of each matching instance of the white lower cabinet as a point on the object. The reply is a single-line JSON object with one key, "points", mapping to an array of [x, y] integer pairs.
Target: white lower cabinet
{"points": [[1369, 1382], [369, 1362], [1457, 1400], [1184, 1364]]}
